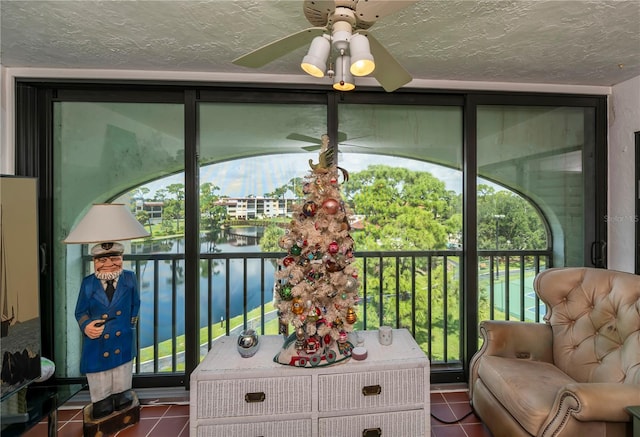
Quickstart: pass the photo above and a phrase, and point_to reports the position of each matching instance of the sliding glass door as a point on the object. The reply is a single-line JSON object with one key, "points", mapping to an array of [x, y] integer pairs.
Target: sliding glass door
{"points": [[458, 199]]}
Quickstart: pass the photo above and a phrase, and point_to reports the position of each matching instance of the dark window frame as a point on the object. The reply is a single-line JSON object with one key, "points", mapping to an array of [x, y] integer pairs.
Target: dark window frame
{"points": [[34, 142]]}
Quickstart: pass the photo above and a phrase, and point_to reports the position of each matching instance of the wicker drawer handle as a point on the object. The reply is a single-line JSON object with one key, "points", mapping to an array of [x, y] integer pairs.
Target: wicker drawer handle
{"points": [[371, 390], [254, 397], [372, 432]]}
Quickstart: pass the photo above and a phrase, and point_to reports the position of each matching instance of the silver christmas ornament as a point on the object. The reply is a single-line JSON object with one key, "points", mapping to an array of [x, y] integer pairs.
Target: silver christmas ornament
{"points": [[248, 343]]}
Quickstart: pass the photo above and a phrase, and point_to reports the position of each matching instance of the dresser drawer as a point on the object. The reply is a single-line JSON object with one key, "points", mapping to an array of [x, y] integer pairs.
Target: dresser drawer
{"points": [[399, 424], [355, 391], [262, 429], [253, 397]]}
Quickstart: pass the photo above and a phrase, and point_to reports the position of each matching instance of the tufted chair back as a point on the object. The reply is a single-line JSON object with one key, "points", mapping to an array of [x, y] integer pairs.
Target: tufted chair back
{"points": [[595, 319]]}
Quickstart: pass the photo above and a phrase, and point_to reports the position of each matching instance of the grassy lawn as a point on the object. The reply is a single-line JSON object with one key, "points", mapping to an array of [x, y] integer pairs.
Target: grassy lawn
{"points": [[165, 348]]}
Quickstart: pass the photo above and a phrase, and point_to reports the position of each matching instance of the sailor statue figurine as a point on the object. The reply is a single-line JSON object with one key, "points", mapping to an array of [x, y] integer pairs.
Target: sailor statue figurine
{"points": [[107, 313]]}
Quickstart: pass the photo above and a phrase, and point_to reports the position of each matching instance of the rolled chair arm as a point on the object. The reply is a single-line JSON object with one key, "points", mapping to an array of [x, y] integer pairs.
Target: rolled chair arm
{"points": [[591, 402], [602, 400], [511, 339]]}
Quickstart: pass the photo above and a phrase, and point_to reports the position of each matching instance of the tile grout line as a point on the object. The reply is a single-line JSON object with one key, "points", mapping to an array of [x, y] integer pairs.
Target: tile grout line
{"points": [[164, 413], [185, 426], [152, 428]]}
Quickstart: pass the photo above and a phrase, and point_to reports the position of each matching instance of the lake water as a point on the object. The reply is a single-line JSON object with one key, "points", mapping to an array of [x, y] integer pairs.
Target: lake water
{"points": [[168, 317]]}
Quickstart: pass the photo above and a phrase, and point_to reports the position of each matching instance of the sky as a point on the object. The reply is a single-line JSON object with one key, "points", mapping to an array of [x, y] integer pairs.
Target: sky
{"points": [[262, 174]]}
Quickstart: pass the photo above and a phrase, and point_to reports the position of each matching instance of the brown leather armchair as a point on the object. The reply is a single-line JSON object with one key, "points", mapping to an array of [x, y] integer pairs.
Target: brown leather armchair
{"points": [[571, 376]]}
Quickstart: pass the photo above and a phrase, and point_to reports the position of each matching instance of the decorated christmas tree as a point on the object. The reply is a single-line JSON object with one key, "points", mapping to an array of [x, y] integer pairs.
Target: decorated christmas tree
{"points": [[316, 289]]}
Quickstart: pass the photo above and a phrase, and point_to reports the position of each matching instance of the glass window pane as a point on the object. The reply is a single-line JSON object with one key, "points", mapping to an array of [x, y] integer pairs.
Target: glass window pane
{"points": [[406, 188], [531, 196], [102, 151], [252, 156]]}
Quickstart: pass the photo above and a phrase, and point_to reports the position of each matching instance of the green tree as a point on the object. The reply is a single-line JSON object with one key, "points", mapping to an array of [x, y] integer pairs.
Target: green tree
{"points": [[161, 195], [143, 218], [172, 211], [213, 213], [296, 186], [403, 209], [174, 208], [140, 193], [506, 220], [176, 190], [270, 238]]}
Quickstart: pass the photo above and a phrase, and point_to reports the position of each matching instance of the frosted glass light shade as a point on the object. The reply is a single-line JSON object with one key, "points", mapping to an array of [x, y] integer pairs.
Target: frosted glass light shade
{"points": [[362, 62], [106, 222], [315, 62]]}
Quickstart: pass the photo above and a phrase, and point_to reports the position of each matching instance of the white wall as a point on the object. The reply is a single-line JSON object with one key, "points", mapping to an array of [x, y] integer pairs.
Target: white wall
{"points": [[624, 120], [6, 141]]}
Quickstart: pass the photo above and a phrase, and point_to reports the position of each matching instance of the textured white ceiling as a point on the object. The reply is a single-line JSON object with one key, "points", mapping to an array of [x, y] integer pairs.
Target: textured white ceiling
{"points": [[591, 42]]}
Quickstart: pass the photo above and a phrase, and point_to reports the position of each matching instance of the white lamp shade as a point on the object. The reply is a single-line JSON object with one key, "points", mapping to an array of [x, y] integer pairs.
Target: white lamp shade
{"points": [[315, 62], [106, 222], [362, 62], [343, 80]]}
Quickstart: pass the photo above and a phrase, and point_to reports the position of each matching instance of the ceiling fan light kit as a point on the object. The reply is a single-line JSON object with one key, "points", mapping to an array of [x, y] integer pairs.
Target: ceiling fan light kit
{"points": [[343, 80], [362, 62], [342, 42], [315, 62], [340, 33]]}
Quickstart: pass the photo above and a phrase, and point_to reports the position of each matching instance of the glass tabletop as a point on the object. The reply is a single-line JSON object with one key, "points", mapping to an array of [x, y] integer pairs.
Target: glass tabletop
{"points": [[32, 404], [634, 410]]}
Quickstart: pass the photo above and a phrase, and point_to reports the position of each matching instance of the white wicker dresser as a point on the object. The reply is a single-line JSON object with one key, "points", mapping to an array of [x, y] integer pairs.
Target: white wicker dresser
{"points": [[386, 394]]}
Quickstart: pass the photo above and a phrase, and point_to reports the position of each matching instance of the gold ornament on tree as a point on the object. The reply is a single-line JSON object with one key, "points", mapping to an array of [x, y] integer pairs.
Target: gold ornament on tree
{"points": [[351, 316], [316, 289]]}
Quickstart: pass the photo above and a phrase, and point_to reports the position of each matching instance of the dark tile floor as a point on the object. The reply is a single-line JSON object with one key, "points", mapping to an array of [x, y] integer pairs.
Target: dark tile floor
{"points": [[453, 406], [172, 419]]}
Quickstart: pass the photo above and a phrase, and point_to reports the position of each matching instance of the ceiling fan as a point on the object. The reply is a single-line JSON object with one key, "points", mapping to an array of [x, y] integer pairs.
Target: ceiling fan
{"points": [[341, 45], [316, 143]]}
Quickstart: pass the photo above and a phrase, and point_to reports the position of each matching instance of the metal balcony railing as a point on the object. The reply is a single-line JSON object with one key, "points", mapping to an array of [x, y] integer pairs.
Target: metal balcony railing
{"points": [[417, 290]]}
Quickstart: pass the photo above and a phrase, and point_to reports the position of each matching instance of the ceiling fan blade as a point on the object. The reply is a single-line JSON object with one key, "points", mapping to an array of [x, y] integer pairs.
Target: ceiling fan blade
{"points": [[388, 72], [311, 148], [307, 139], [372, 10], [276, 49], [340, 147]]}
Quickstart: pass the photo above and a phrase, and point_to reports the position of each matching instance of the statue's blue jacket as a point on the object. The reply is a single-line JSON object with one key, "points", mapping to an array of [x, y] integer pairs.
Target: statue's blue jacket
{"points": [[116, 345]]}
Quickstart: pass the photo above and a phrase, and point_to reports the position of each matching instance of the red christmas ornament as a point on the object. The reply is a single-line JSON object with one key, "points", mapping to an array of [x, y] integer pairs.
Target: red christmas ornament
{"points": [[288, 261], [333, 247], [331, 206]]}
